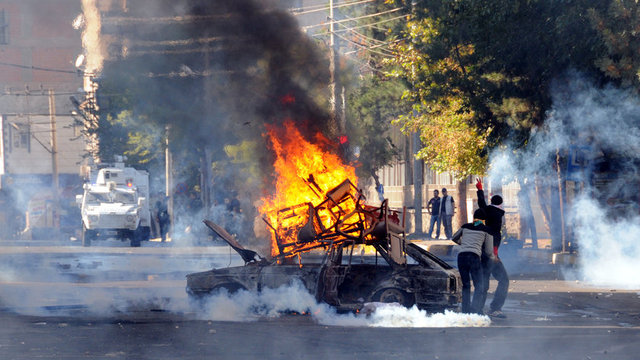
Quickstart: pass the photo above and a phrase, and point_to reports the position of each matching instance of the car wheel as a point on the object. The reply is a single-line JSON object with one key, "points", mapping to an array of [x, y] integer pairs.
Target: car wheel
{"points": [[230, 288], [393, 295]]}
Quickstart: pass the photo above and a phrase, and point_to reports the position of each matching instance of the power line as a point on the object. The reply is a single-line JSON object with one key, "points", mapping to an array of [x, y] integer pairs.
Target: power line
{"points": [[36, 114], [316, 8], [41, 94], [38, 68], [353, 19], [375, 46], [361, 26], [183, 42], [362, 35], [363, 46], [121, 20]]}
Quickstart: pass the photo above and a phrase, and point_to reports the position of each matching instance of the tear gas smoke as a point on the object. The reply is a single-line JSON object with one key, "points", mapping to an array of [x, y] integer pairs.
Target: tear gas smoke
{"points": [[598, 130], [60, 297], [250, 65], [246, 306], [91, 38], [98, 284]]}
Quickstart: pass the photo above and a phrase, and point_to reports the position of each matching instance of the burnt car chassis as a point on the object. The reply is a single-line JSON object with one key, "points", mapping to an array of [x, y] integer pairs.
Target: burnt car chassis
{"points": [[406, 274]]}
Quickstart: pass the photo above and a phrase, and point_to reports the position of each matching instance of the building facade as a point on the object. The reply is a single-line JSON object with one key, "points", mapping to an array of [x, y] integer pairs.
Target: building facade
{"points": [[41, 134]]}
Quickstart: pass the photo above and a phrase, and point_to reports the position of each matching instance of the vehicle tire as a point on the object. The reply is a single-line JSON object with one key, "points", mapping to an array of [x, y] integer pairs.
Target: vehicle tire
{"points": [[230, 288], [198, 299], [87, 236], [394, 295], [135, 237]]}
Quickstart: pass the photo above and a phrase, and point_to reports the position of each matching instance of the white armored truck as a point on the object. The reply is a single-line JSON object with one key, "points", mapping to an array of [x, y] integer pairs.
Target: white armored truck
{"points": [[116, 205]]}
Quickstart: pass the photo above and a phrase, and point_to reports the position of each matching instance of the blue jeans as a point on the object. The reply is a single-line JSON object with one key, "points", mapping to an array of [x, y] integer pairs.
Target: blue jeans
{"points": [[446, 221], [470, 268], [499, 273], [434, 219]]}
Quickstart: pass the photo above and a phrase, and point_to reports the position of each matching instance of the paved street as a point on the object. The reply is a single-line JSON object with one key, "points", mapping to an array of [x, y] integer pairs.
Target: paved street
{"points": [[63, 301]]}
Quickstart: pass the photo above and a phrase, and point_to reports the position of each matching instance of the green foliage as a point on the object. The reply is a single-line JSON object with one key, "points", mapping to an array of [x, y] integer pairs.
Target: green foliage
{"points": [[126, 135], [619, 28], [481, 70], [371, 109], [243, 155]]}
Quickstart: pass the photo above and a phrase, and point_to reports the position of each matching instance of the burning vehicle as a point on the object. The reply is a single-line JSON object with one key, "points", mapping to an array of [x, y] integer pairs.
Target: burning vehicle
{"points": [[404, 273], [320, 228]]}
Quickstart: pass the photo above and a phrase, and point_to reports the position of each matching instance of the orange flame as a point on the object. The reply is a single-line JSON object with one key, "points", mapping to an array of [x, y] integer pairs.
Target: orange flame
{"points": [[304, 173]]}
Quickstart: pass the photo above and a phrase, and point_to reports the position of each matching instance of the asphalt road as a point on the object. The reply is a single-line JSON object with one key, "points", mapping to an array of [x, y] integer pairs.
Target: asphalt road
{"points": [[61, 301]]}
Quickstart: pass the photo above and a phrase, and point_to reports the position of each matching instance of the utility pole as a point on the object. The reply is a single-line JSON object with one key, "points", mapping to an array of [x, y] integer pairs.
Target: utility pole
{"points": [[205, 157], [169, 179], [54, 159], [338, 125]]}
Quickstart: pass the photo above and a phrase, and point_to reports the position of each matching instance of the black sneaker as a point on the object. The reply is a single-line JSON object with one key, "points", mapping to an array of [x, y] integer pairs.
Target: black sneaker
{"points": [[497, 314]]}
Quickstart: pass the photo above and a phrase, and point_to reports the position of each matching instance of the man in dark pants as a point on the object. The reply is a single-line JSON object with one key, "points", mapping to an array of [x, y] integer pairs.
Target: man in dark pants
{"points": [[447, 209], [475, 242], [495, 216], [434, 210]]}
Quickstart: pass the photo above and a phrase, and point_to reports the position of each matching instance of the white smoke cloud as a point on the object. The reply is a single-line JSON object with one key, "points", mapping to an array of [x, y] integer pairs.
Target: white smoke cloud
{"points": [[91, 36], [609, 249], [600, 120], [248, 306]]}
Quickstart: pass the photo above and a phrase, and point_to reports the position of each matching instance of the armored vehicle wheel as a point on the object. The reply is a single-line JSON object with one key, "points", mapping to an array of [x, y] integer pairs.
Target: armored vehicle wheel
{"points": [[87, 236], [391, 295]]}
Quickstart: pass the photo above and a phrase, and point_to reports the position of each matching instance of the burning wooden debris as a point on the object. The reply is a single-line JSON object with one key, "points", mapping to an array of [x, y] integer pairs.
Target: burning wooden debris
{"points": [[342, 218]]}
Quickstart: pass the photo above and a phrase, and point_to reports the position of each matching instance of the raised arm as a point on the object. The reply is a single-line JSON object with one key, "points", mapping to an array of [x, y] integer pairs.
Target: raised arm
{"points": [[481, 201]]}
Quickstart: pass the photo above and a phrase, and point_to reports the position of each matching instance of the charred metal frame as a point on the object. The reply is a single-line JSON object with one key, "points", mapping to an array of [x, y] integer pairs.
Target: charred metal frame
{"points": [[368, 225]]}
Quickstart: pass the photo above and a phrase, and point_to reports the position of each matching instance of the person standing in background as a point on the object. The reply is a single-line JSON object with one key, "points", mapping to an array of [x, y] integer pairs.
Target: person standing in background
{"points": [[162, 215], [434, 210], [447, 209]]}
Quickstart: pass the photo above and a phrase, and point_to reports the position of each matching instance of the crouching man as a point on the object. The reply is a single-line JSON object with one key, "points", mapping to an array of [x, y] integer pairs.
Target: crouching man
{"points": [[475, 241]]}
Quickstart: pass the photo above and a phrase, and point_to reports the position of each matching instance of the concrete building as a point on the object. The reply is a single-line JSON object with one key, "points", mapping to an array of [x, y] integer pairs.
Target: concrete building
{"points": [[42, 143]]}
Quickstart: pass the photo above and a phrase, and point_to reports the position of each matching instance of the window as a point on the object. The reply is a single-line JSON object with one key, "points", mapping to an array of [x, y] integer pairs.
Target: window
{"points": [[4, 27], [21, 136], [125, 198], [97, 198]]}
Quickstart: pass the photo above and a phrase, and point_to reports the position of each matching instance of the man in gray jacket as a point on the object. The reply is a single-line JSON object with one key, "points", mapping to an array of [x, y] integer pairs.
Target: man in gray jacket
{"points": [[475, 241]]}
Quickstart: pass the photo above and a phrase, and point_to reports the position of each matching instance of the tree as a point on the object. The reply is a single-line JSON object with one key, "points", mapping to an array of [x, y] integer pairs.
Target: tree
{"points": [[372, 107], [617, 25], [481, 72]]}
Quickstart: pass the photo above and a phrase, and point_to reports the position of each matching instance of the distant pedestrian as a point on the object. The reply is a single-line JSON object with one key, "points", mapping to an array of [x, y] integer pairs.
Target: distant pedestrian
{"points": [[475, 242], [495, 220], [380, 191], [447, 209], [434, 210], [162, 214]]}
